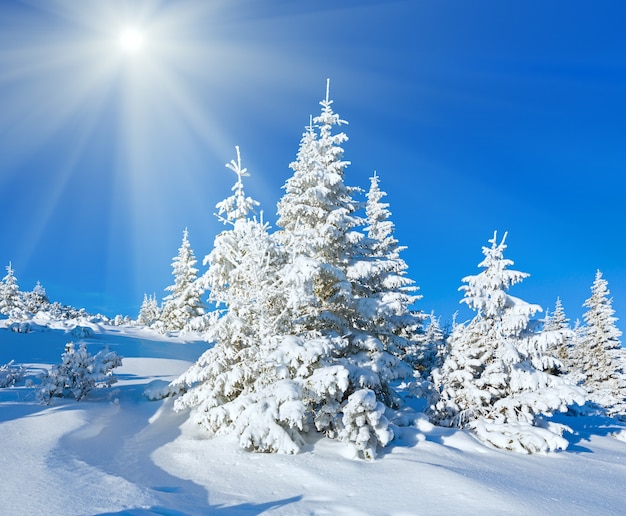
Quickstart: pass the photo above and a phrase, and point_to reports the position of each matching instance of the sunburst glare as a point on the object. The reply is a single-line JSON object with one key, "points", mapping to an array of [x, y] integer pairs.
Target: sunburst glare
{"points": [[124, 86], [131, 40], [125, 113]]}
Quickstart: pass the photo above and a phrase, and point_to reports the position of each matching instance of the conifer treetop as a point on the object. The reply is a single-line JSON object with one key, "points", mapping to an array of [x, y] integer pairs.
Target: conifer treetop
{"points": [[237, 206], [557, 320], [10, 276], [328, 118], [486, 292], [380, 228]]}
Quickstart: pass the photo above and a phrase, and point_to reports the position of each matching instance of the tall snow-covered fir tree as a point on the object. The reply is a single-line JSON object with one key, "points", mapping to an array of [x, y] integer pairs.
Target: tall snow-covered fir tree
{"points": [[494, 380], [184, 303], [599, 359], [234, 387], [341, 364]]}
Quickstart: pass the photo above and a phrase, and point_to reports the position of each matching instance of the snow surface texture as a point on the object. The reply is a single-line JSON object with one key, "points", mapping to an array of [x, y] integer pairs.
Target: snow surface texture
{"points": [[116, 452]]}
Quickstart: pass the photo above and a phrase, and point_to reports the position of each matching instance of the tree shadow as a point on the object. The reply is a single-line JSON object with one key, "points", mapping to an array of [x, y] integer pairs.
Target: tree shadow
{"points": [[585, 426], [23, 405], [414, 429], [248, 509]]}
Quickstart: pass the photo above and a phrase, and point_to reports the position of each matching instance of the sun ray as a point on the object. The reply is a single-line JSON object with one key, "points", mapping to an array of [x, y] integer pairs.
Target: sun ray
{"points": [[153, 119]]}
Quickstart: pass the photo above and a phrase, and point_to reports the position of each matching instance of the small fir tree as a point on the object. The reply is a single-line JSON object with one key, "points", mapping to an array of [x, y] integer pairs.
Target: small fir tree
{"points": [[578, 335], [430, 351], [10, 374], [561, 337], [11, 303], [36, 300], [599, 358], [185, 301], [78, 373], [494, 380], [149, 312]]}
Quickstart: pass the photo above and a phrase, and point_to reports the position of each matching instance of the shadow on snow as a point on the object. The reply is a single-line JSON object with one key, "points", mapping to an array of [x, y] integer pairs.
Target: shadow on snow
{"points": [[249, 509]]}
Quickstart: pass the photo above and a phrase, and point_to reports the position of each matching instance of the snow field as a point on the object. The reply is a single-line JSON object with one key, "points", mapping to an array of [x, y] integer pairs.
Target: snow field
{"points": [[118, 452]]}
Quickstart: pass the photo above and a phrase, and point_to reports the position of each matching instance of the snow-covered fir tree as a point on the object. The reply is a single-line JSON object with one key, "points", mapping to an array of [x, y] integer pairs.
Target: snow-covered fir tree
{"points": [[79, 373], [557, 320], [578, 335], [430, 350], [557, 325], [599, 359], [11, 303], [184, 303], [332, 353], [36, 300], [149, 312], [383, 290], [494, 380], [234, 387]]}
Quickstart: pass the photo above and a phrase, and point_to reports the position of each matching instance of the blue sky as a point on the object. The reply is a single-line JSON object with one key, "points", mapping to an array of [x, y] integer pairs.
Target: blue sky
{"points": [[478, 116]]}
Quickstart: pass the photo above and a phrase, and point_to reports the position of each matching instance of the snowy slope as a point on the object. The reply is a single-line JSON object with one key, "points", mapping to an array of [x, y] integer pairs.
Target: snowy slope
{"points": [[118, 453]]}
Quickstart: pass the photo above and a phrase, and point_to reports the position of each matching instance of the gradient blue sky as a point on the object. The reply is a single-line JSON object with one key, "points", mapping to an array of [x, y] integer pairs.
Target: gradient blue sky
{"points": [[478, 116]]}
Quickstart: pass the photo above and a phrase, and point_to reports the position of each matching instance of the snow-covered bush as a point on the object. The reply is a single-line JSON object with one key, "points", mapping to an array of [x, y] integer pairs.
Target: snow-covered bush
{"points": [[118, 320], [364, 423], [495, 380], [36, 300], [11, 374], [59, 312], [78, 373], [82, 331]]}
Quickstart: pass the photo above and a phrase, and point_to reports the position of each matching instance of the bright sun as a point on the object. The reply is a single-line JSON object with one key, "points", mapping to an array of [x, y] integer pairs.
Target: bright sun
{"points": [[131, 40]]}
